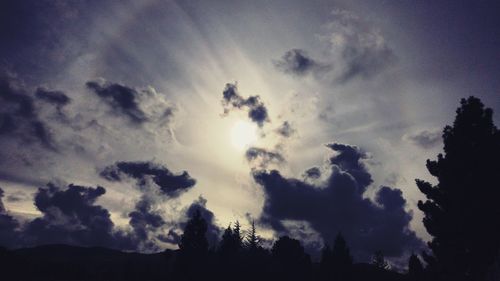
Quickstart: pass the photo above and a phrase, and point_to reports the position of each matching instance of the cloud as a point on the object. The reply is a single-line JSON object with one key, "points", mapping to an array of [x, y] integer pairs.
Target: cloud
{"points": [[70, 216], [231, 99], [8, 226], [139, 106], [361, 47], [18, 196], [355, 45], [57, 98], [19, 117], [297, 62], [425, 139], [144, 220], [169, 183], [262, 158], [312, 173], [338, 204], [286, 130], [213, 230]]}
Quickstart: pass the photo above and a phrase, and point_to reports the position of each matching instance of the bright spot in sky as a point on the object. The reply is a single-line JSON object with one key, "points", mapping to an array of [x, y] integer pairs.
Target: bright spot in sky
{"points": [[243, 134]]}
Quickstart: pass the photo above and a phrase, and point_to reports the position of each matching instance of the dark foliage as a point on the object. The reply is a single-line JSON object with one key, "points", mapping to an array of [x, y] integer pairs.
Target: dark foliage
{"points": [[290, 260], [191, 263], [336, 263], [462, 211]]}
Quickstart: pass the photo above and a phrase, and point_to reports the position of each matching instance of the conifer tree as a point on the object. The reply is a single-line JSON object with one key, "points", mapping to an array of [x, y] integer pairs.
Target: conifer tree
{"points": [[462, 211], [252, 240]]}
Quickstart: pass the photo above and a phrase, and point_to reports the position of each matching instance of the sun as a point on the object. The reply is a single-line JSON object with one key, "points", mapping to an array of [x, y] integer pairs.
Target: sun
{"points": [[243, 134]]}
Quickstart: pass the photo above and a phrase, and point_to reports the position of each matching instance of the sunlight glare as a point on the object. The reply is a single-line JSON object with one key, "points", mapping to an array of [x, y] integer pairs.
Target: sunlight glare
{"points": [[243, 134]]}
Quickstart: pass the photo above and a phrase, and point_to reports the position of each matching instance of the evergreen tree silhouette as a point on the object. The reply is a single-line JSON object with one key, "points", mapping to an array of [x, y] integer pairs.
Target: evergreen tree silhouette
{"points": [[238, 237], [230, 252], [341, 259], [379, 261], [252, 240], [256, 259], [415, 268], [228, 245], [336, 263], [326, 263], [462, 211], [193, 250]]}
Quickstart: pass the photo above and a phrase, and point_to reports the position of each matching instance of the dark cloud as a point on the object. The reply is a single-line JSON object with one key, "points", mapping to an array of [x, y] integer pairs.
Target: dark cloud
{"points": [[297, 62], [70, 216], [19, 117], [170, 184], [144, 219], [8, 226], [231, 99], [286, 130], [339, 205], [213, 231], [361, 47], [57, 98], [312, 173], [121, 98], [349, 158], [261, 157], [425, 139], [138, 105]]}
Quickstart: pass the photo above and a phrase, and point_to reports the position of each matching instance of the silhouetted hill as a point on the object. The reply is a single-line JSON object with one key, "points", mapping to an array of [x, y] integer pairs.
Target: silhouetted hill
{"points": [[63, 262]]}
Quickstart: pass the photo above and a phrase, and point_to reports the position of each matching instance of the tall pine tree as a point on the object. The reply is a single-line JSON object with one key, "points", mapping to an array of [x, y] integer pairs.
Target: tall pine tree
{"points": [[462, 212]]}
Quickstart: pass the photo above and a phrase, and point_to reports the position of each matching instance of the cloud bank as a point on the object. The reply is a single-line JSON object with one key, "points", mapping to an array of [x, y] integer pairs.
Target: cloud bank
{"points": [[339, 205]]}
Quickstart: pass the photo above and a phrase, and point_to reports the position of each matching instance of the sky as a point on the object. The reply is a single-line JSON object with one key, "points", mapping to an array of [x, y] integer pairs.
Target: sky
{"points": [[119, 118]]}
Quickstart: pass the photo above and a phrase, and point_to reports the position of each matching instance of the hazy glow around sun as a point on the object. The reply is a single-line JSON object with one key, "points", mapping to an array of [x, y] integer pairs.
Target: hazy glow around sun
{"points": [[243, 134]]}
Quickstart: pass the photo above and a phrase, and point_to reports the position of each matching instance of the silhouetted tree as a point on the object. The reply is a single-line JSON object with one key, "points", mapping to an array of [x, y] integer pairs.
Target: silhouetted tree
{"points": [[326, 263], [193, 249], [256, 259], [336, 263], [252, 240], [238, 237], [379, 261], [415, 268], [341, 258], [290, 259], [228, 246], [230, 252], [462, 211]]}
